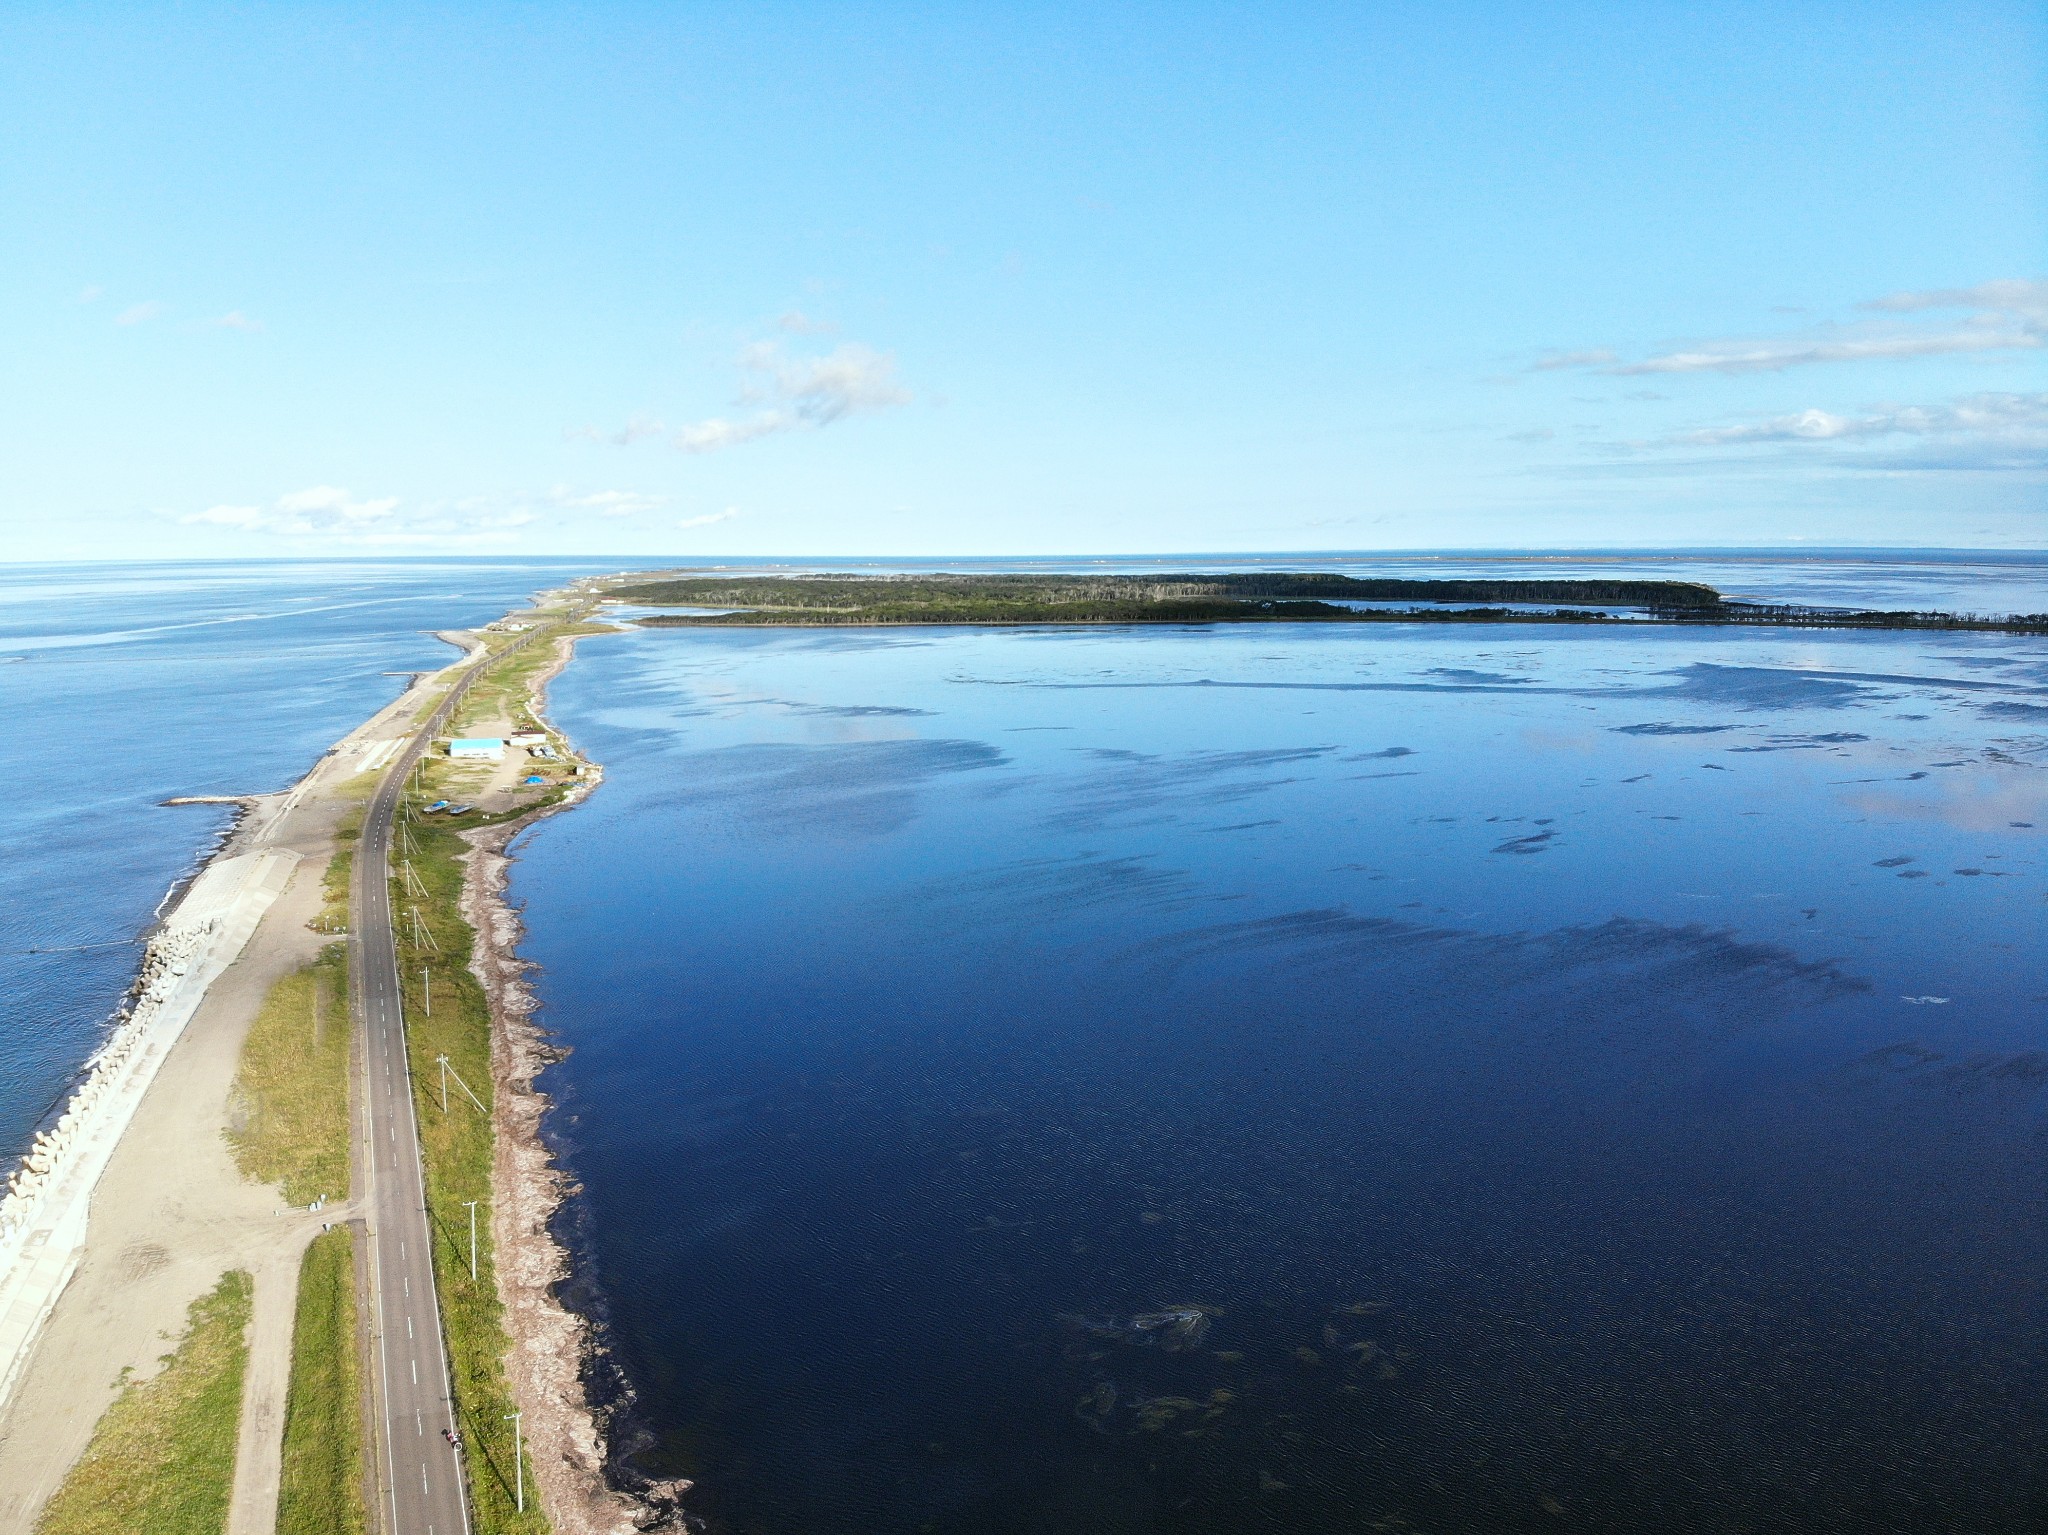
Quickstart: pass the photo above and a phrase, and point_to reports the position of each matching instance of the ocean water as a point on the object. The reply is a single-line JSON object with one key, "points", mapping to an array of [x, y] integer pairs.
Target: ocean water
{"points": [[125, 685], [1308, 1078]]}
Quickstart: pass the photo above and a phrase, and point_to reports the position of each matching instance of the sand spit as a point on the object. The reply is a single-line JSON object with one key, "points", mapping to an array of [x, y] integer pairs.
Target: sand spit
{"points": [[550, 1343]]}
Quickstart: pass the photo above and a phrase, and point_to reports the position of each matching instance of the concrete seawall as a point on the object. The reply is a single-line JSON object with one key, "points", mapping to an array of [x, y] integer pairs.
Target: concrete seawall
{"points": [[47, 1204]]}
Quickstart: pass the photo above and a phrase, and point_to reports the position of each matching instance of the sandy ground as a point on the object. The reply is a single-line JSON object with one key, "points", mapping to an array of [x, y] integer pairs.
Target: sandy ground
{"points": [[173, 1213]]}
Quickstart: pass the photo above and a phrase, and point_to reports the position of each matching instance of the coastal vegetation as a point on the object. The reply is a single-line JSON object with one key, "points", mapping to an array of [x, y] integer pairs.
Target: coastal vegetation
{"points": [[162, 1458], [288, 1118], [1243, 597], [321, 1487], [448, 1015], [340, 871]]}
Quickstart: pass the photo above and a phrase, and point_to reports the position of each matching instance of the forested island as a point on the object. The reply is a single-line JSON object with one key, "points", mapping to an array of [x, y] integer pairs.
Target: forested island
{"points": [[1254, 597]]}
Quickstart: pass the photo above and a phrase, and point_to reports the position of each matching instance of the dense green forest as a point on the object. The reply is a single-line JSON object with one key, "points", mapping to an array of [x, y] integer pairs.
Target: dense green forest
{"points": [[1230, 598], [1120, 599]]}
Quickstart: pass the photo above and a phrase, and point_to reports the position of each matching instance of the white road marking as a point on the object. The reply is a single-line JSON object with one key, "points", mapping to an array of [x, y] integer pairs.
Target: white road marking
{"points": [[408, 1327], [415, 1372], [423, 1477], [419, 1424]]}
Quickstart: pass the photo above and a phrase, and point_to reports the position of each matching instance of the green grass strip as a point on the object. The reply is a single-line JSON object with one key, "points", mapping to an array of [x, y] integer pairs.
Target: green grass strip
{"points": [[162, 1459], [289, 1121], [322, 1488], [458, 1143]]}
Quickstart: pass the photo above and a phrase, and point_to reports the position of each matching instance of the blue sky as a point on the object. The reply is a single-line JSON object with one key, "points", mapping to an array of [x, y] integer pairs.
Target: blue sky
{"points": [[895, 279]]}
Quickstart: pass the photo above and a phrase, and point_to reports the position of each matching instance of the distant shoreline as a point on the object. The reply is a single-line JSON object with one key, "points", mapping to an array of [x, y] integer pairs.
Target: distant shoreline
{"points": [[1876, 620], [1301, 596]]}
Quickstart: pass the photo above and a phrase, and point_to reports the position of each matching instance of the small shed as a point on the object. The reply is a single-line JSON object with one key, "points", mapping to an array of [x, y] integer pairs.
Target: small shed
{"points": [[490, 747]]}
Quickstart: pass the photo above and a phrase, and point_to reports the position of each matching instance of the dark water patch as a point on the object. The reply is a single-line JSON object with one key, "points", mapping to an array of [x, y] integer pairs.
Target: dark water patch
{"points": [[1466, 675], [1665, 728], [1794, 743], [857, 711], [1126, 783], [1907, 1055], [857, 789], [1766, 688], [1040, 890], [1535, 842], [1383, 755], [2027, 1068], [2006, 709], [1666, 958]]}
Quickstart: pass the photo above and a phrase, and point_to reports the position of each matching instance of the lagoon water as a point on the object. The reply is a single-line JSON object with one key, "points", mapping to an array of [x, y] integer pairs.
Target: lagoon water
{"points": [[1310, 1078]]}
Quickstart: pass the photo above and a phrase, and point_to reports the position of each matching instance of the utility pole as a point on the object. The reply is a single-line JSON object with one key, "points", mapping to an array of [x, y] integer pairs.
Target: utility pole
{"points": [[472, 1203], [448, 1071], [426, 993], [518, 1463]]}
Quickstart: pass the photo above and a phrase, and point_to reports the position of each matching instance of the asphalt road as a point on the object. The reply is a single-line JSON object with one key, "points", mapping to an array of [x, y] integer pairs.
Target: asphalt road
{"points": [[425, 1494]]}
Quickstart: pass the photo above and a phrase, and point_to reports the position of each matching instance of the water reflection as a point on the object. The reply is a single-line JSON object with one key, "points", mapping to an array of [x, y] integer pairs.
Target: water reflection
{"points": [[1298, 1081]]}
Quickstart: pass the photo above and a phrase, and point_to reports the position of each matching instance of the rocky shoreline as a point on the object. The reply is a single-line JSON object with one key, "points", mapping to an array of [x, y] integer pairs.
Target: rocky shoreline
{"points": [[551, 1345]]}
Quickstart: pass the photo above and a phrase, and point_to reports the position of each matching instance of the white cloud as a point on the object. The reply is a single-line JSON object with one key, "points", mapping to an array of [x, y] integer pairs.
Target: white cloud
{"points": [[2017, 295], [137, 314], [633, 431], [1805, 426], [794, 392], [801, 392], [1777, 356], [710, 436], [2009, 314], [234, 319], [332, 514], [317, 509], [704, 522], [1977, 432], [90, 292], [1590, 358], [797, 323], [229, 516], [606, 503]]}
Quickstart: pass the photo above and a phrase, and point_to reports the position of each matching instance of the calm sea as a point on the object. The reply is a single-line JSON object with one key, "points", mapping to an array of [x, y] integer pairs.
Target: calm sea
{"points": [[124, 685], [1314, 1079]]}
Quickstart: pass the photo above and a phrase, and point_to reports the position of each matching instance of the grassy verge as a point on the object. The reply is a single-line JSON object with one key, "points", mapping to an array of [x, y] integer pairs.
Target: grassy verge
{"points": [[163, 1457], [448, 1013], [341, 869], [289, 1125], [321, 1492]]}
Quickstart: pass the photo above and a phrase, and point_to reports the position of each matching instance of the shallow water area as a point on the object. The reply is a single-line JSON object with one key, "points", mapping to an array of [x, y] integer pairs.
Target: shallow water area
{"points": [[1308, 1077]]}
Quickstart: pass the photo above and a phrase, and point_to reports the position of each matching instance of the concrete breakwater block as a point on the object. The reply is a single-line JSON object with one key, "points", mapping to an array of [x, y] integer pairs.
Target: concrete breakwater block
{"points": [[47, 1198]]}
